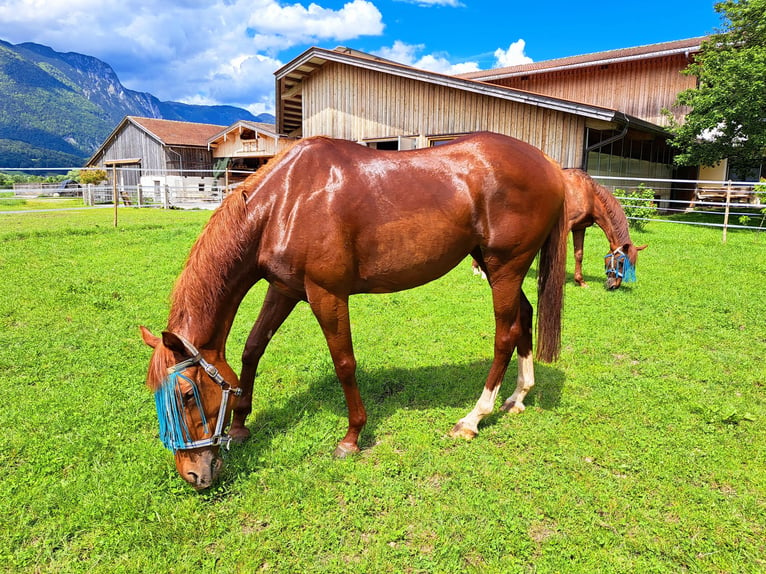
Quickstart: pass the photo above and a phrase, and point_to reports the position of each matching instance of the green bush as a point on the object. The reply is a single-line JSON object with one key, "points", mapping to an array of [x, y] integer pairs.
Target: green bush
{"points": [[638, 205]]}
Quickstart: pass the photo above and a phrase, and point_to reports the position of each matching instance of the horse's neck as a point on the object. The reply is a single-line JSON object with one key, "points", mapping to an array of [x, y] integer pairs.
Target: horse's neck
{"points": [[216, 278], [610, 217]]}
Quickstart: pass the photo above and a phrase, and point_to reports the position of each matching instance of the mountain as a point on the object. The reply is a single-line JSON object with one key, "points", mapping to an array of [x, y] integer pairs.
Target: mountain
{"points": [[57, 108]]}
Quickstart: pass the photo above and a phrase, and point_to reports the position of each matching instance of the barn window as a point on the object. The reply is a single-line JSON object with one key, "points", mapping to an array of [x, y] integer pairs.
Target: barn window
{"points": [[394, 144]]}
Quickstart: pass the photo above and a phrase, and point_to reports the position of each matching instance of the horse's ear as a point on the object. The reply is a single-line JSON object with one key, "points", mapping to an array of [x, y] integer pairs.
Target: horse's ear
{"points": [[149, 339], [644, 246], [174, 343]]}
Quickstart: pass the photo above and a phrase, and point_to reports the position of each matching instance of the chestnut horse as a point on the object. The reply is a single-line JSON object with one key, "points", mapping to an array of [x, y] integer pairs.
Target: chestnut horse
{"points": [[327, 219], [589, 203]]}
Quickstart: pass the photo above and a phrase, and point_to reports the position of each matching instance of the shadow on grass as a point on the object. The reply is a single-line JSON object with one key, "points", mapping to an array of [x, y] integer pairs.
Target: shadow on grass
{"points": [[386, 392]]}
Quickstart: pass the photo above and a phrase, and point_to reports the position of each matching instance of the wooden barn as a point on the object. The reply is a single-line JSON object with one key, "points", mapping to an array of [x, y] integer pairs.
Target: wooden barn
{"points": [[639, 81], [602, 112], [347, 94], [158, 154]]}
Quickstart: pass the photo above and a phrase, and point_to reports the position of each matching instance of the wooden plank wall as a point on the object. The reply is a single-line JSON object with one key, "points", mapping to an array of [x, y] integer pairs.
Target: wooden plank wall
{"points": [[133, 143], [640, 88], [235, 147], [355, 103]]}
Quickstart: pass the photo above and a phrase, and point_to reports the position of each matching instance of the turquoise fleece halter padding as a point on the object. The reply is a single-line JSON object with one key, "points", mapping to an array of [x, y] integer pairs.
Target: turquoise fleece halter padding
{"points": [[628, 273], [174, 432]]}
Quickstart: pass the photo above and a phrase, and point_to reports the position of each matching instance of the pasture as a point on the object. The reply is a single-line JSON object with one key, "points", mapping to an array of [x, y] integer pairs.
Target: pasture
{"points": [[643, 449]]}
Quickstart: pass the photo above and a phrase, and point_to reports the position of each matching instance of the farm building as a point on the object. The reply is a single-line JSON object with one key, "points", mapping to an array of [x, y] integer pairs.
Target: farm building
{"points": [[347, 94], [159, 157], [602, 112], [244, 146]]}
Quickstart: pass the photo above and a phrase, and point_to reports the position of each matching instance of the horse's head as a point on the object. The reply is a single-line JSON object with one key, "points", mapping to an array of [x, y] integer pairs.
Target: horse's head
{"points": [[620, 265], [191, 392]]}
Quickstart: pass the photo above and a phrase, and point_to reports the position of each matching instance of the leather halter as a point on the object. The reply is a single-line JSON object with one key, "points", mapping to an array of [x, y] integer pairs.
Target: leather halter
{"points": [[619, 266], [174, 432]]}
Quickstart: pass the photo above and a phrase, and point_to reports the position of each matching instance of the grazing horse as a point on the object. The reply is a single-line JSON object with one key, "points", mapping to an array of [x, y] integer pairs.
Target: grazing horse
{"points": [[589, 203], [327, 219]]}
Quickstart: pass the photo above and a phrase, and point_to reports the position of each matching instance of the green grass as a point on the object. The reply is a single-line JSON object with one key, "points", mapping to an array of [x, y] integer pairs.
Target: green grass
{"points": [[641, 450], [20, 203]]}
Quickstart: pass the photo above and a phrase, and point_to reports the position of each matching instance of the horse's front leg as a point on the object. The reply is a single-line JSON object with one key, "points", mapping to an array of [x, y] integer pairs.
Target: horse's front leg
{"points": [[526, 375], [332, 313], [506, 300], [578, 240], [275, 309]]}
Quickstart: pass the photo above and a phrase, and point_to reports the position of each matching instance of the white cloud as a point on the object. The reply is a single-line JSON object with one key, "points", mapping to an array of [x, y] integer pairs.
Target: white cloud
{"points": [[216, 51], [513, 56], [408, 54], [356, 18]]}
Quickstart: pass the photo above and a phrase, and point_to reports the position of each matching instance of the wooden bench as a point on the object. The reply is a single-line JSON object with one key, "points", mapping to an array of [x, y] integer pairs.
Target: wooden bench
{"points": [[738, 194]]}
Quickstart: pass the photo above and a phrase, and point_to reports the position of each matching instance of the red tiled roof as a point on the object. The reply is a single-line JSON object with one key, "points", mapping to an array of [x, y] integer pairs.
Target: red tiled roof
{"points": [[639, 52], [172, 132]]}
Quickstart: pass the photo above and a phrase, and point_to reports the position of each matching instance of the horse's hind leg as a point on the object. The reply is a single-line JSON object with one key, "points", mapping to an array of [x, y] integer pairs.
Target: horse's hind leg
{"points": [[526, 376], [508, 326], [275, 309]]}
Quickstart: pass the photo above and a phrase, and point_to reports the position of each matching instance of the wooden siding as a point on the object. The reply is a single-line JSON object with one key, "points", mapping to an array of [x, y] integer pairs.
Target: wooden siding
{"points": [[133, 143], [640, 88], [234, 146], [356, 104], [154, 158]]}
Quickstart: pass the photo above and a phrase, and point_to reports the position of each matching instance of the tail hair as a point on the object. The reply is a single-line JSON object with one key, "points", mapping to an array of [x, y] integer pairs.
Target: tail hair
{"points": [[551, 276]]}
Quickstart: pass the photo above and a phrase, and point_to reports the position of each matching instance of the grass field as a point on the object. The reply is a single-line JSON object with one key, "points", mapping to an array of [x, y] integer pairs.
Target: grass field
{"points": [[35, 203], [642, 450]]}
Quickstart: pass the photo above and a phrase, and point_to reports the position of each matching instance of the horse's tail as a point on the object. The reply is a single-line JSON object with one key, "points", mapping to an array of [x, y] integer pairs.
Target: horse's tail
{"points": [[551, 275]]}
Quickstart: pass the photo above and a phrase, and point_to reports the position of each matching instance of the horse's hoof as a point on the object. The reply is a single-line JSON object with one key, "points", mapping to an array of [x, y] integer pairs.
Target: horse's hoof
{"points": [[462, 431], [344, 450], [513, 407], [239, 435]]}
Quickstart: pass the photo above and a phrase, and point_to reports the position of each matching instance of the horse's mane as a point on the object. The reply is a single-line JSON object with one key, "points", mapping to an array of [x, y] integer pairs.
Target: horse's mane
{"points": [[613, 210], [612, 207], [220, 245]]}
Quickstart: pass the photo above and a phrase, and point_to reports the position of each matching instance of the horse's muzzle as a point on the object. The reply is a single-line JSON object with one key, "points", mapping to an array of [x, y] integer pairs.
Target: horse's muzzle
{"points": [[200, 468]]}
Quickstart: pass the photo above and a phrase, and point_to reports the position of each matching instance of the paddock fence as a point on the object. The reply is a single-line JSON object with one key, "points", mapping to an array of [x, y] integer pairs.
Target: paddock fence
{"points": [[728, 205]]}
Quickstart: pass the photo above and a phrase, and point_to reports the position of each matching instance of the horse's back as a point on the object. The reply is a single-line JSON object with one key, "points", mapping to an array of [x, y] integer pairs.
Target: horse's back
{"points": [[383, 221]]}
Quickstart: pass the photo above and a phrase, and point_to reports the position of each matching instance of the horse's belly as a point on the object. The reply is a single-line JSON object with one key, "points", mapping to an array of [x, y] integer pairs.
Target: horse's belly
{"points": [[398, 257]]}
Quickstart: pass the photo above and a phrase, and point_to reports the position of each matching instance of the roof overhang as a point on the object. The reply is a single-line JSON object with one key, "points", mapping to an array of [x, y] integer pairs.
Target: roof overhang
{"points": [[289, 80], [668, 49]]}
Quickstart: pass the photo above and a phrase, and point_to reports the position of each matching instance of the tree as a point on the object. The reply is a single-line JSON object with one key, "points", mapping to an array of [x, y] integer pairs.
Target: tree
{"points": [[94, 176], [727, 117]]}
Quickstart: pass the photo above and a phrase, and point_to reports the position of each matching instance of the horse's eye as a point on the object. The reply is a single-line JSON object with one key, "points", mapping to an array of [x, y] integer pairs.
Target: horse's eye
{"points": [[188, 395]]}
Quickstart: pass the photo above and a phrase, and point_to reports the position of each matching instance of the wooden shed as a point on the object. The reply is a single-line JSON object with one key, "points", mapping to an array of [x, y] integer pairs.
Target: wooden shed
{"points": [[348, 94], [158, 154]]}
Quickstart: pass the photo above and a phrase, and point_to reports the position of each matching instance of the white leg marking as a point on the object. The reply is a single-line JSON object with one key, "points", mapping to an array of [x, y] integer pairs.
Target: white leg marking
{"points": [[524, 383], [484, 407]]}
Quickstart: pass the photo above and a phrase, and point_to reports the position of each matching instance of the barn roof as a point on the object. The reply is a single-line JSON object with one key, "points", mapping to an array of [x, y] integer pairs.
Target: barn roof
{"points": [[290, 77], [646, 52], [171, 132], [166, 132]]}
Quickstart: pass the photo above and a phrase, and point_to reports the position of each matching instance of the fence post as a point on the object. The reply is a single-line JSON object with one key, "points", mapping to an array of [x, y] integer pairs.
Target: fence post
{"points": [[114, 191], [726, 211]]}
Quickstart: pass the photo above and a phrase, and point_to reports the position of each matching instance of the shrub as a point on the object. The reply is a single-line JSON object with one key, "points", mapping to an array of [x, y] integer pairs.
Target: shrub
{"points": [[638, 205]]}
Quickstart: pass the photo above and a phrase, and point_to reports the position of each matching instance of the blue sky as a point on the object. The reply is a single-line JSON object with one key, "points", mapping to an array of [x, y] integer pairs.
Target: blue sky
{"points": [[226, 51]]}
